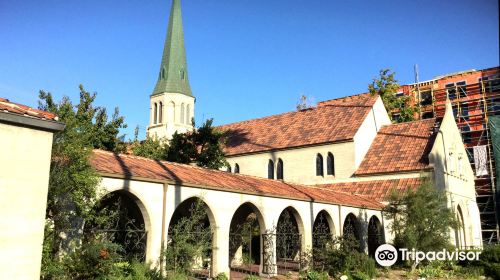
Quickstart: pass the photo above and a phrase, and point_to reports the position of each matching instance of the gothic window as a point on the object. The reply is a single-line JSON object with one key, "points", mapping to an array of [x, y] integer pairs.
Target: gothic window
{"points": [[319, 165], [228, 168], [270, 169], [182, 113], [155, 114], [160, 114], [182, 74], [279, 170], [188, 114], [236, 168], [330, 164]]}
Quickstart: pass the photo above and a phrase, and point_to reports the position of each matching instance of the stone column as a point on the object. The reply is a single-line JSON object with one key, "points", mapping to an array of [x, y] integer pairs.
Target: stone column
{"points": [[220, 263], [268, 265]]}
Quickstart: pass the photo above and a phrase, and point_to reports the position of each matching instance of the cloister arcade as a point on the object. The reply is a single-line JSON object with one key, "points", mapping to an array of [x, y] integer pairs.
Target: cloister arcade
{"points": [[249, 234]]}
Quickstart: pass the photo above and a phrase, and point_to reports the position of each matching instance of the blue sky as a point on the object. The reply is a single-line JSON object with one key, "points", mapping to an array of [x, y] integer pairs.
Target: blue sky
{"points": [[246, 59]]}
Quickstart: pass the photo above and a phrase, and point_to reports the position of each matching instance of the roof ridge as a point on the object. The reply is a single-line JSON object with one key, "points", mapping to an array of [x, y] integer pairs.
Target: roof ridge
{"points": [[357, 95], [411, 122], [294, 112]]}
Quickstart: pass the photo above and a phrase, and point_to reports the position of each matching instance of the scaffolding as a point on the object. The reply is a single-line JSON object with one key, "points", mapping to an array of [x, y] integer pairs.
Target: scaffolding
{"points": [[472, 105]]}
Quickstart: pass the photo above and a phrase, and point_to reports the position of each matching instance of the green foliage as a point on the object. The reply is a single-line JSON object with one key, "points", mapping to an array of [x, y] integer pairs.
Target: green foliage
{"points": [[98, 260], [221, 276], [387, 86], [152, 148], [313, 275], [343, 257], [421, 218], [490, 261], [202, 146], [188, 242], [73, 183]]}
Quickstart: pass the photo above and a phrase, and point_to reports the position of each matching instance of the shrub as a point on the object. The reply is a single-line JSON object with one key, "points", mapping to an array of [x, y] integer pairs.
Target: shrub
{"points": [[490, 261], [252, 277], [313, 275], [343, 257], [221, 276]]}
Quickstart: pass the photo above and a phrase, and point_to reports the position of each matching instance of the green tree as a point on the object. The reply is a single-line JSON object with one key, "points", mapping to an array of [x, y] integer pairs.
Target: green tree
{"points": [[387, 86], [420, 218], [73, 182], [202, 146], [152, 148]]}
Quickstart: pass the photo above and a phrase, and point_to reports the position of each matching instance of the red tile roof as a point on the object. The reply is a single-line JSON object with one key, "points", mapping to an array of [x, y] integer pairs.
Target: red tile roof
{"points": [[331, 121], [399, 148], [133, 166], [14, 108], [377, 190]]}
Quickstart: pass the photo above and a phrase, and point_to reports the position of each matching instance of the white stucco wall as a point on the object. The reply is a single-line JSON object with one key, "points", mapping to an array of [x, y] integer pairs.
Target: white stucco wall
{"points": [[24, 178], [299, 165], [377, 117], [454, 175], [173, 119]]}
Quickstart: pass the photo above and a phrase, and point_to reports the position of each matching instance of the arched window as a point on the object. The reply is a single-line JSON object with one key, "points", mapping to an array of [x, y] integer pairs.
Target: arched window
{"points": [[182, 113], [319, 165], [160, 114], [279, 170], [330, 164], [155, 114], [228, 168], [188, 114], [270, 169], [236, 168]]}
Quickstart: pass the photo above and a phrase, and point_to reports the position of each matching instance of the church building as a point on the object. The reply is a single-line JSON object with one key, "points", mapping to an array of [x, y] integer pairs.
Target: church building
{"points": [[321, 171]]}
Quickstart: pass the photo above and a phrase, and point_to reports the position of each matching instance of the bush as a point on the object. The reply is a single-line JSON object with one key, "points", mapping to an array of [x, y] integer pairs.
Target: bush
{"points": [[343, 257], [252, 277], [313, 275], [490, 261], [221, 276]]}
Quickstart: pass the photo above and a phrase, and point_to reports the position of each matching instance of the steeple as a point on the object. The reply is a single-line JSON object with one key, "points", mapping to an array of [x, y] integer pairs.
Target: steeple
{"points": [[173, 74]]}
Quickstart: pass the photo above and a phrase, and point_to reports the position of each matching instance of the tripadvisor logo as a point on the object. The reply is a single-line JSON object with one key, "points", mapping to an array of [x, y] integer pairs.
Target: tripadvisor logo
{"points": [[387, 255]]}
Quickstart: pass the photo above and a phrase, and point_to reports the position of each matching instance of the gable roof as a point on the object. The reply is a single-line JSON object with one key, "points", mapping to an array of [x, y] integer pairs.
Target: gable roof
{"points": [[331, 121], [23, 110], [378, 190], [186, 175], [399, 148]]}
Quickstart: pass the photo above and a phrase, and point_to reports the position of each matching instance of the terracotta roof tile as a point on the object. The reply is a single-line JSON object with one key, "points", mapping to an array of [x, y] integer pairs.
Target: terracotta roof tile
{"points": [[331, 121], [14, 108], [378, 190], [106, 162], [399, 147]]}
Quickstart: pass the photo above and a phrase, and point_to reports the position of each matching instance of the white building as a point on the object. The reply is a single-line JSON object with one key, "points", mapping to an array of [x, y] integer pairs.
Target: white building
{"points": [[323, 170]]}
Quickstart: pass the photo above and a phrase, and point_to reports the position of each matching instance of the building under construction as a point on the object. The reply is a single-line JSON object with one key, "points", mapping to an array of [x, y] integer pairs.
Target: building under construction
{"points": [[475, 96]]}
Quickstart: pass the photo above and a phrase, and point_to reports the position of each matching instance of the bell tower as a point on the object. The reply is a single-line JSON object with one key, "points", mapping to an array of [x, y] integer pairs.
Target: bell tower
{"points": [[172, 103]]}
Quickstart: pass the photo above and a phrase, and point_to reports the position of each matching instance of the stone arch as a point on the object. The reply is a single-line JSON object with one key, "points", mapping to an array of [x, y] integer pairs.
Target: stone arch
{"points": [[322, 232], [155, 113], [245, 243], [460, 236], [375, 235], [289, 240], [193, 222], [127, 224], [351, 227]]}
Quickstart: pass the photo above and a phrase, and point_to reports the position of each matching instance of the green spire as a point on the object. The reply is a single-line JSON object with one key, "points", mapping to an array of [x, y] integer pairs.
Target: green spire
{"points": [[173, 76]]}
